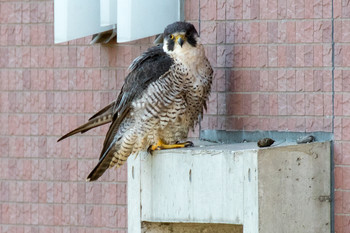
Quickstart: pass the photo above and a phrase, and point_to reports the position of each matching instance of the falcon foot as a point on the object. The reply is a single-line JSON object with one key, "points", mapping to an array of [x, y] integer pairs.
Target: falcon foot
{"points": [[161, 145]]}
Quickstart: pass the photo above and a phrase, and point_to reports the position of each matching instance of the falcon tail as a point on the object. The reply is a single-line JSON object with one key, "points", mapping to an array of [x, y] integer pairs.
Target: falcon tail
{"points": [[102, 117], [104, 162], [115, 149]]}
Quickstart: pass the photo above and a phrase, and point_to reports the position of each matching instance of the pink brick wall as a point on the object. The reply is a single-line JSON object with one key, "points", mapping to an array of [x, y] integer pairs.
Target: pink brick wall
{"points": [[273, 64], [273, 71], [342, 113]]}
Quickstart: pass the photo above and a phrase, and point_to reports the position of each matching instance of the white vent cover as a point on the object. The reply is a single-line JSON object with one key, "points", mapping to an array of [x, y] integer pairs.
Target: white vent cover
{"points": [[133, 19]]}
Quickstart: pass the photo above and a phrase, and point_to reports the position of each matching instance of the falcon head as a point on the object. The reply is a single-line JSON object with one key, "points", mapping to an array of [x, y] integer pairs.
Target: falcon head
{"points": [[179, 36]]}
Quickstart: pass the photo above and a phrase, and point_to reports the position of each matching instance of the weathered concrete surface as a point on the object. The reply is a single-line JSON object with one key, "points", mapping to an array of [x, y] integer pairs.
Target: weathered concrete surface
{"points": [[276, 189], [294, 189], [200, 185], [151, 227]]}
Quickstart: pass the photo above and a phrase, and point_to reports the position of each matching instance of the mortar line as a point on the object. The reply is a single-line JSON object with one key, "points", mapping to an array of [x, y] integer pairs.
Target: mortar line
{"points": [[199, 18]]}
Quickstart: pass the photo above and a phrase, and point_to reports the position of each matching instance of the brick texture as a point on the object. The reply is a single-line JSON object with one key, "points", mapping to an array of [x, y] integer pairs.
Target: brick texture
{"points": [[272, 63], [341, 107], [46, 90]]}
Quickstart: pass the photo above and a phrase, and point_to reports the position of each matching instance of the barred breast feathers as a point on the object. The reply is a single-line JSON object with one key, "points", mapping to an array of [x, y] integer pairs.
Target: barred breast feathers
{"points": [[199, 78]]}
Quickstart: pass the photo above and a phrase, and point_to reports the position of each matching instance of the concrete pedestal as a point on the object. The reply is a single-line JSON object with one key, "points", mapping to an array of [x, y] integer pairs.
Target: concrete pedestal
{"points": [[232, 187]]}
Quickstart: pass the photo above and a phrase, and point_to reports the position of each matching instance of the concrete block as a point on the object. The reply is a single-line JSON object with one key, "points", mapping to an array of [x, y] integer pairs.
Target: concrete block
{"points": [[285, 188]]}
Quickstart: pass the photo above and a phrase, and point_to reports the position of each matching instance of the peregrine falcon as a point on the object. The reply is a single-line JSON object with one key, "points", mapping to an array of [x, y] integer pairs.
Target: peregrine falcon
{"points": [[161, 99]]}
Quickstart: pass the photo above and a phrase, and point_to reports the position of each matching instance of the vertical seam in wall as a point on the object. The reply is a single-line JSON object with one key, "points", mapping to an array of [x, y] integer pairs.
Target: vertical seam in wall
{"points": [[333, 66], [332, 209], [199, 18]]}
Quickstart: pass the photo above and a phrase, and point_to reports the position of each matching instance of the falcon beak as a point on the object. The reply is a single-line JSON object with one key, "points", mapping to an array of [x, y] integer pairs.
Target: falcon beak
{"points": [[180, 40]]}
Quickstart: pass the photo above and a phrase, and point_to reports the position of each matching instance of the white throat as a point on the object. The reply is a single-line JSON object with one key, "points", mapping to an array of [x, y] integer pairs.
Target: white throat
{"points": [[187, 54]]}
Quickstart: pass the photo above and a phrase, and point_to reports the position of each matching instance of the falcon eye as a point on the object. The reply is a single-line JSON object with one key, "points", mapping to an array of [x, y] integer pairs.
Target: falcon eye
{"points": [[172, 37]]}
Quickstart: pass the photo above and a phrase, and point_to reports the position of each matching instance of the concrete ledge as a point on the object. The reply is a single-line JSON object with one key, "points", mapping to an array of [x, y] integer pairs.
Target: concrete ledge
{"points": [[224, 136], [278, 189]]}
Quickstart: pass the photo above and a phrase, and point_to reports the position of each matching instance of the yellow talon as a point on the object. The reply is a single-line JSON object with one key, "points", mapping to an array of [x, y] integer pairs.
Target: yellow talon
{"points": [[161, 145]]}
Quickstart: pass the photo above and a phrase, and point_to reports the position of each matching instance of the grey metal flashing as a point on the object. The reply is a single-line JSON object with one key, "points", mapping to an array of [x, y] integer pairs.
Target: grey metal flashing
{"points": [[333, 115], [223, 136]]}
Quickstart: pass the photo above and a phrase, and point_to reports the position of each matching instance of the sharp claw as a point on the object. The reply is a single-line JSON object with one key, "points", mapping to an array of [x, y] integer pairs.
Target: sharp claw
{"points": [[189, 144], [149, 150]]}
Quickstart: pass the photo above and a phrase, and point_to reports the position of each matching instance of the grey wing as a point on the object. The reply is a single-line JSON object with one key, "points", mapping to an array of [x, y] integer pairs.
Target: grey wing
{"points": [[146, 70], [127, 133]]}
